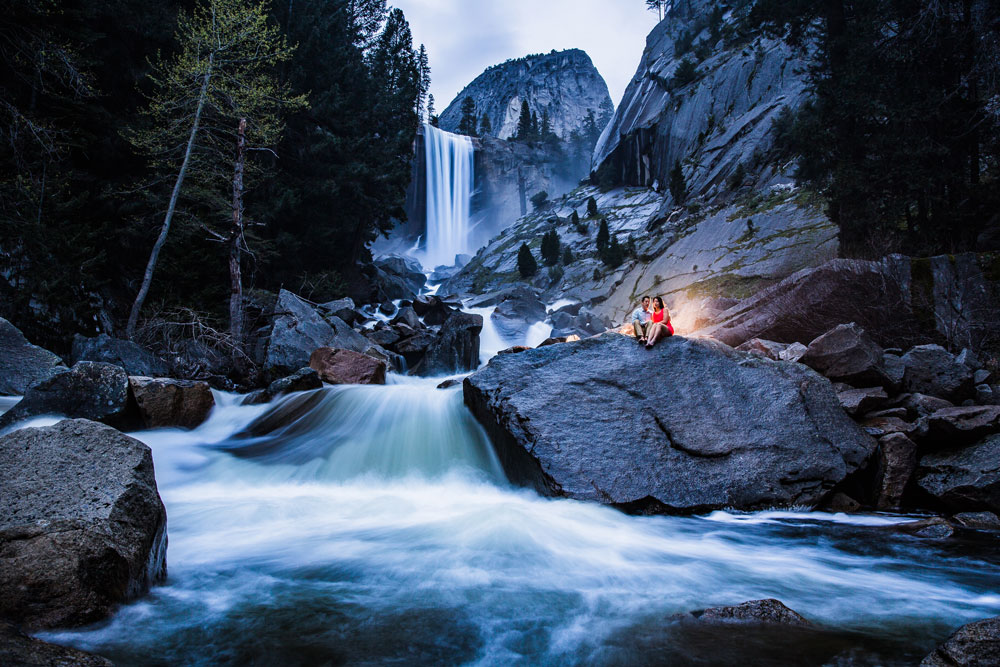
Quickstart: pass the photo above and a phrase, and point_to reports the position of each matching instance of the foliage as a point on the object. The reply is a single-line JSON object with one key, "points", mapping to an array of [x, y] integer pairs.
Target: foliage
{"points": [[567, 256], [526, 264], [603, 239], [467, 124], [525, 131], [550, 247], [539, 200], [581, 228], [485, 127], [686, 72], [592, 211]]}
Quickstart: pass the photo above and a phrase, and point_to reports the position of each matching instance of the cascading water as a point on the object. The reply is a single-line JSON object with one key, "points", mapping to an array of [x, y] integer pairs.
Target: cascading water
{"points": [[372, 524], [449, 161]]}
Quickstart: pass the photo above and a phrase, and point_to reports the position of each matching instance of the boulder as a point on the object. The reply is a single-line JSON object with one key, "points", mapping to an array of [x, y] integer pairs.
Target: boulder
{"points": [[347, 367], [793, 352], [881, 426], [972, 645], [516, 313], [89, 390], [985, 395], [17, 648], [409, 317], [951, 427], [895, 370], [981, 376], [415, 346], [21, 363], [171, 403], [922, 405], [516, 349], [728, 430], [345, 310], [304, 379], [978, 520], [130, 356], [862, 401], [966, 479], [897, 461], [456, 348], [969, 358], [82, 527], [385, 337], [433, 309], [846, 354], [763, 348], [405, 271], [931, 369], [767, 612]]}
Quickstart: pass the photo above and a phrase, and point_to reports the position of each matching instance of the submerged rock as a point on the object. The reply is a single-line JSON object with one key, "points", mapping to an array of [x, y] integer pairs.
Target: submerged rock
{"points": [[768, 612], [21, 363], [130, 356], [727, 430], [89, 390], [972, 645], [82, 528], [304, 379], [164, 402]]}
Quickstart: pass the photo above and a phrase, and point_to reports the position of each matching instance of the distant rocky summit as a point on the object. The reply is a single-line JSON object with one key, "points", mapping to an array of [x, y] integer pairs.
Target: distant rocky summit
{"points": [[565, 84]]}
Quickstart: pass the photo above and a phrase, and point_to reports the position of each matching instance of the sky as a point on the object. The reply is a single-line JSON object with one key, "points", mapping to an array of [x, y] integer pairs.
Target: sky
{"points": [[464, 37]]}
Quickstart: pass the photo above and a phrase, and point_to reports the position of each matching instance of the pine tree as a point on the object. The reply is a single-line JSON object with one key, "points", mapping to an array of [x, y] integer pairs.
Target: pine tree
{"points": [[592, 211], [534, 126], [615, 254], [574, 218], [524, 122], [603, 239], [424, 110], [678, 186], [485, 127], [567, 257], [467, 125], [431, 111], [545, 131], [551, 247], [526, 264], [539, 200]]}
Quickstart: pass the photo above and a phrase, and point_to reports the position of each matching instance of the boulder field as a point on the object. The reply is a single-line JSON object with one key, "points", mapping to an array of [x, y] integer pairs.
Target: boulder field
{"points": [[689, 426]]}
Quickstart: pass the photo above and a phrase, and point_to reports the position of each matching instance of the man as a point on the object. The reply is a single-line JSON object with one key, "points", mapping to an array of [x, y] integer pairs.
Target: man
{"points": [[640, 320]]}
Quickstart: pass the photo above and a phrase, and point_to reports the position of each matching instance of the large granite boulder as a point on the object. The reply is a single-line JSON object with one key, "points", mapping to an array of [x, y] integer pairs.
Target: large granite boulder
{"points": [[135, 359], [717, 428], [20, 650], [89, 390], [896, 462], [82, 528], [398, 277], [931, 369], [21, 363], [163, 402], [951, 427], [972, 645], [846, 354], [964, 479], [347, 367], [456, 348], [516, 312]]}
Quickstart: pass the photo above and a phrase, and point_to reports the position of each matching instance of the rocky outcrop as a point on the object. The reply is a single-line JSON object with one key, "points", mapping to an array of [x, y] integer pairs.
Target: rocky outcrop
{"points": [[130, 356], [964, 479], [347, 367], [972, 645], [728, 430], [18, 649], [163, 402], [304, 379], [564, 84], [82, 528], [456, 348], [765, 612], [89, 390], [21, 363]]}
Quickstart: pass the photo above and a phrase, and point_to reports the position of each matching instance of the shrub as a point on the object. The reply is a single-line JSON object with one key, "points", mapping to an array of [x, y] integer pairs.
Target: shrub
{"points": [[592, 211], [539, 199], [567, 257], [526, 264]]}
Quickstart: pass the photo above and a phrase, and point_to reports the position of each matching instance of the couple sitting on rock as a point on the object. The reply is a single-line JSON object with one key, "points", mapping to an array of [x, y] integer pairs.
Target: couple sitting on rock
{"points": [[651, 326]]}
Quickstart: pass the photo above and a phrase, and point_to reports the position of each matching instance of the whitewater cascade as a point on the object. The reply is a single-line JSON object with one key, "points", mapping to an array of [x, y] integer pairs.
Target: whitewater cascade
{"points": [[450, 173]]}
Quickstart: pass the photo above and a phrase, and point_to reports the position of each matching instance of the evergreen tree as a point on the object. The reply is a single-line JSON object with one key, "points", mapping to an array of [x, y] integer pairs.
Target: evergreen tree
{"points": [[534, 126], [545, 130], [485, 128], [615, 254], [467, 124], [603, 239], [524, 122], [424, 71], [686, 72], [551, 247], [567, 257], [592, 207], [678, 186], [574, 218], [539, 200], [431, 111], [526, 264]]}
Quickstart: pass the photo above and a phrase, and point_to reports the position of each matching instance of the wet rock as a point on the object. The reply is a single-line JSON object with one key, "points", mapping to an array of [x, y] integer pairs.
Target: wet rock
{"points": [[171, 403], [897, 462], [285, 413], [130, 356], [304, 379], [386, 337], [450, 382], [456, 348], [516, 313], [794, 352], [555, 340], [82, 528], [769, 612], [763, 348], [895, 370], [984, 395], [89, 390], [728, 430], [398, 277], [934, 528], [414, 347], [434, 310], [951, 427], [21, 363], [978, 520], [387, 308], [922, 405], [347, 367], [861, 401], [846, 354], [981, 376], [966, 479], [931, 369], [409, 317], [841, 502], [17, 648], [516, 349], [972, 645], [344, 309]]}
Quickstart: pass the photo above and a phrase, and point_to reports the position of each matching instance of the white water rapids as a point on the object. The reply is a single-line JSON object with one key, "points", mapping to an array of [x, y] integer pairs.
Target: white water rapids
{"points": [[374, 525]]}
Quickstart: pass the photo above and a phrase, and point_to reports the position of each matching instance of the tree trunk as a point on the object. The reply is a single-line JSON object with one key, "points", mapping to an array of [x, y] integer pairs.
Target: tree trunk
{"points": [[154, 256], [235, 237]]}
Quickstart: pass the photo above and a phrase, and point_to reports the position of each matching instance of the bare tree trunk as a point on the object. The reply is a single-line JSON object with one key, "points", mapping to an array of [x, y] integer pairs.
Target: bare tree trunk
{"points": [[154, 256], [235, 237]]}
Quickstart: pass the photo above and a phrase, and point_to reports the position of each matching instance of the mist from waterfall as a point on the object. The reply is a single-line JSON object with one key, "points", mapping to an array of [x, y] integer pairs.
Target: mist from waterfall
{"points": [[450, 174]]}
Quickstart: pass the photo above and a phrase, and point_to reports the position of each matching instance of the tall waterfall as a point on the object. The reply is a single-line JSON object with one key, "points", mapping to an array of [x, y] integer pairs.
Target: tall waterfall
{"points": [[449, 192]]}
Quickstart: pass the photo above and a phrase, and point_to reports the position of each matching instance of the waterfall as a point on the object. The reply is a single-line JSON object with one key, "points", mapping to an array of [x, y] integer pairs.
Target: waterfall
{"points": [[449, 192]]}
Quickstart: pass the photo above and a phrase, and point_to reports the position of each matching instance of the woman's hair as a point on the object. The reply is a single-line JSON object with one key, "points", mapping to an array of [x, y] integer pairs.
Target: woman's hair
{"points": [[659, 301]]}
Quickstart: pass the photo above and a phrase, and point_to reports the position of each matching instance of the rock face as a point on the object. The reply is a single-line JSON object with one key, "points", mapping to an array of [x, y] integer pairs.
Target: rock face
{"points": [[964, 479], [90, 390], [82, 528], [130, 356], [565, 84], [17, 648], [456, 348], [972, 645], [164, 402], [346, 367], [728, 430], [21, 363]]}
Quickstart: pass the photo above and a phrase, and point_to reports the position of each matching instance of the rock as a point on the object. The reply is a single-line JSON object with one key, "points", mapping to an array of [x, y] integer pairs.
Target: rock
{"points": [[897, 462], [933, 529], [284, 413], [922, 405], [18, 649], [345, 310], [386, 337], [899, 413], [171, 403], [304, 379], [861, 401], [763, 348], [556, 340], [841, 502], [432, 309], [981, 376], [793, 352], [450, 382], [347, 367], [966, 479], [978, 520], [398, 277], [931, 369], [769, 612], [414, 347], [409, 317], [951, 427], [968, 358], [192, 360], [894, 369], [82, 528], [387, 308], [89, 390], [728, 430], [516, 313], [456, 349], [984, 395], [21, 363], [972, 645], [516, 349], [846, 353], [130, 356]]}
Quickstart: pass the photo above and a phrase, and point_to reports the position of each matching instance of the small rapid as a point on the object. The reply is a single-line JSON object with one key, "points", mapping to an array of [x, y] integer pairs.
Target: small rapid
{"points": [[367, 525]]}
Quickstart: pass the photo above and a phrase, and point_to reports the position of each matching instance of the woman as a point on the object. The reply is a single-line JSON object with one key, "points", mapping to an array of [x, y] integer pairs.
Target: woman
{"points": [[659, 326]]}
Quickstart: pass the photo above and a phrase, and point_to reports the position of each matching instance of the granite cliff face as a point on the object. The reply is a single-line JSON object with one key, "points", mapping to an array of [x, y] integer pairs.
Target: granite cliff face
{"points": [[564, 83]]}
